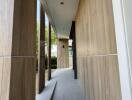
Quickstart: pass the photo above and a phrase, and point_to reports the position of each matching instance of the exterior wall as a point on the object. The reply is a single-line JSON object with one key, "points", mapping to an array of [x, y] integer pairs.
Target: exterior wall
{"points": [[17, 49], [96, 50], [128, 24], [123, 23], [62, 53], [6, 10]]}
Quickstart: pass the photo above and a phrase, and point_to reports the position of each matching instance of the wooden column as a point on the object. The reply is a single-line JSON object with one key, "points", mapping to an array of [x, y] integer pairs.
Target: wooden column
{"points": [[74, 51], [73, 37], [74, 59], [97, 57], [42, 51], [49, 52], [62, 53], [17, 49]]}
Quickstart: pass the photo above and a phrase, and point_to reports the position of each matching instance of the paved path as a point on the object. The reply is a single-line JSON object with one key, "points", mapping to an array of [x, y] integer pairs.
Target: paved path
{"points": [[67, 87]]}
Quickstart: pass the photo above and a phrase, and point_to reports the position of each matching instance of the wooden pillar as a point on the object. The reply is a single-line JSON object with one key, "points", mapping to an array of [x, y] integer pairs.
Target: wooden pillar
{"points": [[62, 53], [42, 51], [17, 49], [73, 55], [49, 52], [74, 51], [74, 59]]}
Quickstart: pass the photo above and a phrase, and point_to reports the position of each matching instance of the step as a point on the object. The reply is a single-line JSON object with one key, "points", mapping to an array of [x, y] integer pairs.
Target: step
{"points": [[48, 92]]}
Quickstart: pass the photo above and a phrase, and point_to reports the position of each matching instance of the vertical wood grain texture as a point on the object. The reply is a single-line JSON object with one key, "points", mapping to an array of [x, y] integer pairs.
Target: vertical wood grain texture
{"points": [[22, 86], [6, 22], [41, 74], [1, 69], [24, 25], [17, 49], [62, 53], [96, 50]]}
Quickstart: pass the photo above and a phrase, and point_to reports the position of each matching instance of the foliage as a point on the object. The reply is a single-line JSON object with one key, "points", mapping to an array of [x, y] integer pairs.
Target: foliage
{"points": [[53, 41], [53, 62], [53, 35]]}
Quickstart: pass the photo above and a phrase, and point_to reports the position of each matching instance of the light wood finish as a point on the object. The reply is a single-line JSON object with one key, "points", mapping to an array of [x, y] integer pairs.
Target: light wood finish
{"points": [[41, 74], [6, 22], [96, 50], [17, 49], [62, 53]]}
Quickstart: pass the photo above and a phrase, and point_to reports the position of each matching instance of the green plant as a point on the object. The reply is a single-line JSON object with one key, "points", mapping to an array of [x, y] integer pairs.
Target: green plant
{"points": [[53, 62]]}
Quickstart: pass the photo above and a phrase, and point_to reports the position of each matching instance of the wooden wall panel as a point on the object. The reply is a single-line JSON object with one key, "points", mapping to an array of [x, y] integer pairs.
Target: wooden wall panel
{"points": [[17, 49], [5, 67], [96, 50], [100, 33], [41, 53], [101, 78], [23, 39], [23, 88], [1, 69], [62, 53], [6, 22]]}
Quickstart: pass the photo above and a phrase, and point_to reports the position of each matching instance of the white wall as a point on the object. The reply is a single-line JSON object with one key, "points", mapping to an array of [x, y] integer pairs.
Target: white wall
{"points": [[123, 23], [127, 10]]}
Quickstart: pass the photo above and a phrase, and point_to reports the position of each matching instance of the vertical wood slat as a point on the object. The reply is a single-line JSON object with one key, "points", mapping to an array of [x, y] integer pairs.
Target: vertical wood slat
{"points": [[1, 72], [17, 49], [96, 50], [6, 24], [42, 51], [49, 52], [23, 51]]}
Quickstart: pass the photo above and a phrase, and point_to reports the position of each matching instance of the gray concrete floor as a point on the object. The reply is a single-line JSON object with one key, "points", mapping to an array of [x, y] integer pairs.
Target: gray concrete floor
{"points": [[47, 92], [67, 87]]}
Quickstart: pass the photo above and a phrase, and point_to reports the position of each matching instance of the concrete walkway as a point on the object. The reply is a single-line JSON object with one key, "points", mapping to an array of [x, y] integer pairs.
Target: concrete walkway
{"points": [[47, 93], [67, 87]]}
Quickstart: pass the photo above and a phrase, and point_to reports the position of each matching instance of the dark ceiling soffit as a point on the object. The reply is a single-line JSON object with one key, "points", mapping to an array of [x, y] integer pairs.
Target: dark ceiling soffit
{"points": [[72, 30]]}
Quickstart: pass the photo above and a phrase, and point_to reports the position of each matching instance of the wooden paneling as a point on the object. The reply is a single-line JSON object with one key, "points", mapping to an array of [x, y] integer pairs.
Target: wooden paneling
{"points": [[1, 68], [17, 49], [6, 21], [23, 80], [24, 25], [41, 53], [100, 37], [96, 50], [6, 10], [5, 83], [62, 53], [100, 78]]}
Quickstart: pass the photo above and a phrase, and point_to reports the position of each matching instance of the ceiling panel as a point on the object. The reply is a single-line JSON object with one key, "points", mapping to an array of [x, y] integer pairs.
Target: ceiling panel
{"points": [[61, 13]]}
